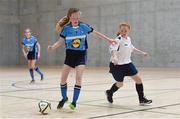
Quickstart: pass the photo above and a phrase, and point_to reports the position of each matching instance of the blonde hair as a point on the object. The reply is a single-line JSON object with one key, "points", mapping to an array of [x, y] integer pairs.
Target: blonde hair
{"points": [[27, 29], [63, 21], [123, 24]]}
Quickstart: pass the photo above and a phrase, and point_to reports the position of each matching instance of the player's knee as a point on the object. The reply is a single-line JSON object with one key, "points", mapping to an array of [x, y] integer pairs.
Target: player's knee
{"points": [[31, 66], [63, 80], [119, 84], [78, 80], [138, 81]]}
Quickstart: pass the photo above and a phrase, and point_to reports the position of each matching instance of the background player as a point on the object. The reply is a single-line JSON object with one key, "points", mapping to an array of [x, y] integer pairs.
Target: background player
{"points": [[31, 51], [121, 64]]}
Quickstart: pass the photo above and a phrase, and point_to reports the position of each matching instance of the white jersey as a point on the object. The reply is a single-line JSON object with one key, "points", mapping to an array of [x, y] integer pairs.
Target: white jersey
{"points": [[124, 49]]}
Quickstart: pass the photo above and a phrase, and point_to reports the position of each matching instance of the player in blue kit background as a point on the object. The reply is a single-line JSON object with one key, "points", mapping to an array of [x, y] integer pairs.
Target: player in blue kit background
{"points": [[31, 51], [74, 34]]}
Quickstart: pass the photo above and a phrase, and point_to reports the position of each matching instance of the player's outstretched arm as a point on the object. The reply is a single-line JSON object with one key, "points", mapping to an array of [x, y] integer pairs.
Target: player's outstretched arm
{"points": [[140, 52], [103, 37], [57, 44]]}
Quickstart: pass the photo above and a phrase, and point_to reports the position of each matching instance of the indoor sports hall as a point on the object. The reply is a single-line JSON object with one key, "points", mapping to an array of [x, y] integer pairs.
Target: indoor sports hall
{"points": [[155, 29]]}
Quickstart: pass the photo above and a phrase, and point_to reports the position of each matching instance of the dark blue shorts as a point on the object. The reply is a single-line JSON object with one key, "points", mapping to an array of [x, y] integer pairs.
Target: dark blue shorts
{"points": [[120, 71], [75, 58], [32, 56]]}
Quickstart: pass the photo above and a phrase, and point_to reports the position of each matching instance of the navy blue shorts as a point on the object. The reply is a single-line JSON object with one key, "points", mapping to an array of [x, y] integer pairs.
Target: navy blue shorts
{"points": [[32, 56], [120, 71], [75, 58]]}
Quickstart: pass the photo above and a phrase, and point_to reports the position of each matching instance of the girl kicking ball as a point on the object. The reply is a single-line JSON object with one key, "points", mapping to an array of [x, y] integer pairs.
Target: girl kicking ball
{"points": [[121, 64], [74, 34], [31, 51]]}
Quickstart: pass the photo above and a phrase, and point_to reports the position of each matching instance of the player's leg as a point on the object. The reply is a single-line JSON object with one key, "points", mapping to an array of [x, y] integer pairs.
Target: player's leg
{"points": [[77, 88], [140, 90], [31, 70], [63, 85], [37, 69], [118, 75], [112, 90]]}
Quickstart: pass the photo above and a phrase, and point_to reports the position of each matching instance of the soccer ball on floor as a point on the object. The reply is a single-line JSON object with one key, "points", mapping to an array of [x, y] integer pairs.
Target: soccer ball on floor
{"points": [[44, 107]]}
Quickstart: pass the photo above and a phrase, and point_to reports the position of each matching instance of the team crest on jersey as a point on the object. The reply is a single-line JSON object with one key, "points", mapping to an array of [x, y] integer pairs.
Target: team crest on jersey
{"points": [[28, 48], [76, 43]]}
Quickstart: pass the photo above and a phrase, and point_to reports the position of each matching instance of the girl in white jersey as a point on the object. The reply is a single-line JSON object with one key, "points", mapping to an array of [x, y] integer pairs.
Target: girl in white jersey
{"points": [[121, 64]]}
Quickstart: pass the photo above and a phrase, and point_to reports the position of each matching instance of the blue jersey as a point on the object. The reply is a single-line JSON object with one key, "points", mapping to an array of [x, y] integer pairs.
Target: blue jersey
{"points": [[75, 37], [30, 44]]}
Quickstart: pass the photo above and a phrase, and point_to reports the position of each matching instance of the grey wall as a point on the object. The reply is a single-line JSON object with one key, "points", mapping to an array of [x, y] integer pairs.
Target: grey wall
{"points": [[155, 28], [9, 28]]}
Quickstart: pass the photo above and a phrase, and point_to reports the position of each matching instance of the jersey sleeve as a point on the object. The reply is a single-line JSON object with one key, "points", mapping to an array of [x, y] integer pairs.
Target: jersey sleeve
{"points": [[87, 28], [35, 40], [22, 42], [63, 33]]}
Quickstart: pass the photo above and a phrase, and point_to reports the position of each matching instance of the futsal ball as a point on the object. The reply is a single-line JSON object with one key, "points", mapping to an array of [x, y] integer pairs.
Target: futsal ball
{"points": [[44, 107]]}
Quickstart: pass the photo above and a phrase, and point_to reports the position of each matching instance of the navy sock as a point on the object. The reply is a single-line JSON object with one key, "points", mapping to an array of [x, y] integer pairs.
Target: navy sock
{"points": [[64, 91], [38, 71], [31, 73], [77, 90], [140, 91], [114, 88]]}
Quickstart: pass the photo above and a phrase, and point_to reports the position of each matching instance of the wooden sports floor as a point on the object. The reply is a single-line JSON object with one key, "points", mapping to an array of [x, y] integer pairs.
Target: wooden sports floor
{"points": [[19, 99]]}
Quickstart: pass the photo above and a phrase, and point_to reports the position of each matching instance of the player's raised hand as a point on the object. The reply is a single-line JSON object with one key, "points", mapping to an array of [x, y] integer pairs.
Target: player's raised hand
{"points": [[25, 55], [146, 54]]}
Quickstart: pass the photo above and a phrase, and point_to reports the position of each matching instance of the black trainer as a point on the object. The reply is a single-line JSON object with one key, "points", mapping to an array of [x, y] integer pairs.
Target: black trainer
{"points": [[42, 77], [61, 103], [144, 101], [109, 96], [32, 82]]}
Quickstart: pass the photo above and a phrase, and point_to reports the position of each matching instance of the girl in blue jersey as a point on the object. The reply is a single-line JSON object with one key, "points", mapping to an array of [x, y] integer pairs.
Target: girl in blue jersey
{"points": [[31, 51], [74, 34]]}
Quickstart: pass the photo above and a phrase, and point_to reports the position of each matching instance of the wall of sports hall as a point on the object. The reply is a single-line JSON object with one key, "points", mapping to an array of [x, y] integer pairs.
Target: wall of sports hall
{"points": [[155, 29]]}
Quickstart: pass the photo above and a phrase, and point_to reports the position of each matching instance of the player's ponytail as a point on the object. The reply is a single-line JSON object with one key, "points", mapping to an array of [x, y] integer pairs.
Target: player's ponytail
{"points": [[60, 24], [123, 24], [118, 33], [63, 21]]}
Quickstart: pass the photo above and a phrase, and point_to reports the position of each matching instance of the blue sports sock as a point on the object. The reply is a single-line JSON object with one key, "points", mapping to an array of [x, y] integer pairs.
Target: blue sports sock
{"points": [[77, 90], [38, 71], [64, 91], [31, 73]]}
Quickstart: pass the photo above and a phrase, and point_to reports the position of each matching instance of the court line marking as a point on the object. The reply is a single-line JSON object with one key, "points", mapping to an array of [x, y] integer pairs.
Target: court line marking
{"points": [[100, 83], [84, 102], [103, 98], [178, 114], [132, 111], [96, 105], [81, 102], [108, 115]]}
